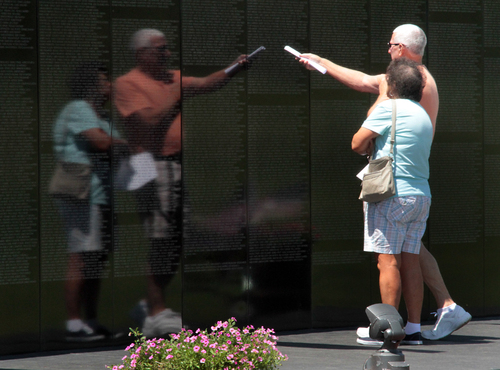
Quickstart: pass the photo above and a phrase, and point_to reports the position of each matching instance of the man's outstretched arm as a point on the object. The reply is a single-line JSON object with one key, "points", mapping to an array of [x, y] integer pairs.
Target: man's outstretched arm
{"points": [[356, 80]]}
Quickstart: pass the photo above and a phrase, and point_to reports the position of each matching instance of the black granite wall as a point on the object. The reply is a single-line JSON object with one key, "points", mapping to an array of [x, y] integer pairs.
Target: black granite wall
{"points": [[272, 227]]}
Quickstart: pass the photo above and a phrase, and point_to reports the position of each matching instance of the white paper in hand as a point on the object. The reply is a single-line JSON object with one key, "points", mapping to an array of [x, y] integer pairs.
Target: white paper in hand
{"points": [[136, 172], [319, 67]]}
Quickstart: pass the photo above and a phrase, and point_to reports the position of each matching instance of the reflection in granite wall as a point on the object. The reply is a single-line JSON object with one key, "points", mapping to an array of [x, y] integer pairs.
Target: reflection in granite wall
{"points": [[268, 228], [19, 203]]}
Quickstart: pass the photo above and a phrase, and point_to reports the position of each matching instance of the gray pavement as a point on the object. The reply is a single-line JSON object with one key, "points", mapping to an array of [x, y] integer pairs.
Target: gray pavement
{"points": [[475, 346]]}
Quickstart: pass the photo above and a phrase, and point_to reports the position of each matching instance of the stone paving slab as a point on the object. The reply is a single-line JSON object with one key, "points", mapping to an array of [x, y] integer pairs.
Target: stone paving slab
{"points": [[474, 347]]}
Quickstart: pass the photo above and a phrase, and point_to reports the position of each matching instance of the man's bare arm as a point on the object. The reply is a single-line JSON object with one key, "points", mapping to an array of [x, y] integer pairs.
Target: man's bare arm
{"points": [[99, 140], [192, 86], [381, 97], [356, 80]]}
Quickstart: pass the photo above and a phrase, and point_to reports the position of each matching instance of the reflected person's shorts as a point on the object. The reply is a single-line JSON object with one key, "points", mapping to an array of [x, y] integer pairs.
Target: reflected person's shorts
{"points": [[396, 224], [159, 202], [83, 224]]}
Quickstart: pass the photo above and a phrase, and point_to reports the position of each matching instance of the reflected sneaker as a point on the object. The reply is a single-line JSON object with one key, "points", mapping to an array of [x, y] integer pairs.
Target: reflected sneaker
{"points": [[412, 339], [447, 323], [85, 334], [162, 324], [101, 329], [139, 312]]}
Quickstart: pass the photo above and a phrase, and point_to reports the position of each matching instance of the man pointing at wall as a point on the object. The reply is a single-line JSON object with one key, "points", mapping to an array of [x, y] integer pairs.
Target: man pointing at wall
{"points": [[407, 41]]}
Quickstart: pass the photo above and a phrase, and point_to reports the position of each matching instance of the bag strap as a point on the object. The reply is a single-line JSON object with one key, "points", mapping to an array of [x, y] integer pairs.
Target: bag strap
{"points": [[393, 128], [393, 131]]}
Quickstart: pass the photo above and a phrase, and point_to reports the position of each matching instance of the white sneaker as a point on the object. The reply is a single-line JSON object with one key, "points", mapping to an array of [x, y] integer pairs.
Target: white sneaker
{"points": [[447, 323], [363, 332], [364, 338], [162, 324]]}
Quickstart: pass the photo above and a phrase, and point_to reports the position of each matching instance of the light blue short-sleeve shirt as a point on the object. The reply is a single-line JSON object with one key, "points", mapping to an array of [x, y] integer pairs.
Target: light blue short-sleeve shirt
{"points": [[69, 146], [412, 146]]}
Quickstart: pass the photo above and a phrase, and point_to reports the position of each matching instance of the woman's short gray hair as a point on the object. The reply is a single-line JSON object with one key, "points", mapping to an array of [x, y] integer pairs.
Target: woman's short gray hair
{"points": [[142, 38], [413, 37]]}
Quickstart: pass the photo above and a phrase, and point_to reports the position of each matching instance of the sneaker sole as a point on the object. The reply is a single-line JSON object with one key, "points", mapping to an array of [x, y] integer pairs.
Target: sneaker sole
{"points": [[412, 342], [369, 342]]}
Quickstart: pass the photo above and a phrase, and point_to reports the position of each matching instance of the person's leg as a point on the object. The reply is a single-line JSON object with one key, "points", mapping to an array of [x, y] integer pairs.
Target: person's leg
{"points": [[450, 316], [155, 281], [390, 278], [433, 279], [73, 286], [413, 293], [413, 286], [381, 237], [164, 233]]}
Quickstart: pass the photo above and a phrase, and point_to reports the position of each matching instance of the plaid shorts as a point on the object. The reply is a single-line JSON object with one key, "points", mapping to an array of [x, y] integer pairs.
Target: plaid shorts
{"points": [[396, 225], [86, 225]]}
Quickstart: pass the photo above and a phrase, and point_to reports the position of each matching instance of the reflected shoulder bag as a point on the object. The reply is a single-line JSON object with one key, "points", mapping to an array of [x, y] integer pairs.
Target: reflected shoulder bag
{"points": [[378, 182], [71, 180]]}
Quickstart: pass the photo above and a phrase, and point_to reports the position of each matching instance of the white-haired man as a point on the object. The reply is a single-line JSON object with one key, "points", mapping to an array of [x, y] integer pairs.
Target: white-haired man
{"points": [[148, 99], [408, 41]]}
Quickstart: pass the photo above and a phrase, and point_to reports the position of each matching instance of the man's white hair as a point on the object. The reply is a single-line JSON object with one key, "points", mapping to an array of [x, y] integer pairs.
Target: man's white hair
{"points": [[142, 38], [413, 37]]}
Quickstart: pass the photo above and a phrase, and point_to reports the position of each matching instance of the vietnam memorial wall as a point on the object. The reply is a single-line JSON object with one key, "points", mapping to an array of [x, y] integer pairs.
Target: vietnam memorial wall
{"points": [[271, 225]]}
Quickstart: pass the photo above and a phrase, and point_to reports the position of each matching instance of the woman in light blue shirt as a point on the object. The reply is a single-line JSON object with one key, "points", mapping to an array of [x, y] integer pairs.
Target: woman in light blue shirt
{"points": [[82, 135], [394, 227]]}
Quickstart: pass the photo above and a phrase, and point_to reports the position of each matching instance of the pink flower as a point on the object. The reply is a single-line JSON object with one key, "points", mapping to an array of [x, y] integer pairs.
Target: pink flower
{"points": [[196, 348], [202, 360], [169, 357]]}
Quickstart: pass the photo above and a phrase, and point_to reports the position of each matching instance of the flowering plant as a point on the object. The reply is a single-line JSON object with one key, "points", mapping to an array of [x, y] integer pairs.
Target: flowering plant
{"points": [[226, 347]]}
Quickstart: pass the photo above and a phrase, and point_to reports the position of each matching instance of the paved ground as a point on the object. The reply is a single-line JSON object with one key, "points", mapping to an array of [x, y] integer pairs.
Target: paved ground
{"points": [[476, 346]]}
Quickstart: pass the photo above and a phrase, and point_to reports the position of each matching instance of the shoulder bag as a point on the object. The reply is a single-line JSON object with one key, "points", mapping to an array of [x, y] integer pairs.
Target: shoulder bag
{"points": [[71, 179], [378, 182]]}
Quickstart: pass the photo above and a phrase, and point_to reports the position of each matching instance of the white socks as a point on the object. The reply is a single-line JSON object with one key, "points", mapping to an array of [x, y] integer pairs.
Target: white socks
{"points": [[74, 325], [412, 328]]}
